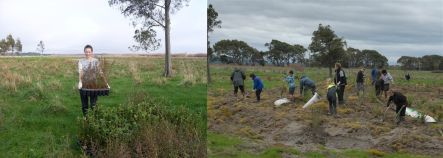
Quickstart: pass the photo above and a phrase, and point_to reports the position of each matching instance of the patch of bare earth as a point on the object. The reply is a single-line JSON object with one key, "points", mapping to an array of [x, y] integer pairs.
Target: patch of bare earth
{"points": [[358, 125]]}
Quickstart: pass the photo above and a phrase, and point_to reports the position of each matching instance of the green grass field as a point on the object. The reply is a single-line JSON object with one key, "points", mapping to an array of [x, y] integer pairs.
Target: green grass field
{"points": [[40, 109], [220, 144]]}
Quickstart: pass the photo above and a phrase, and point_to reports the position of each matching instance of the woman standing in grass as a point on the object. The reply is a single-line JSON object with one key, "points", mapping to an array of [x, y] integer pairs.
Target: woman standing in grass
{"points": [[87, 69]]}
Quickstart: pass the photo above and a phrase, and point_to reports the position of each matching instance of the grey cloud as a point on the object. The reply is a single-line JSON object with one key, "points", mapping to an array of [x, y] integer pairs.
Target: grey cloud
{"points": [[394, 27]]}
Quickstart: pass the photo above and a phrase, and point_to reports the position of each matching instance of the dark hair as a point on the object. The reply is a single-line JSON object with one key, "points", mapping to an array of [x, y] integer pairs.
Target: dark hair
{"points": [[291, 72], [252, 76], [88, 46], [383, 71]]}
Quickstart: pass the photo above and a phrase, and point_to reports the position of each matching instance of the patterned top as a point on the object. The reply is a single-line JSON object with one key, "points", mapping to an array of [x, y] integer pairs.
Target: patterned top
{"points": [[89, 69]]}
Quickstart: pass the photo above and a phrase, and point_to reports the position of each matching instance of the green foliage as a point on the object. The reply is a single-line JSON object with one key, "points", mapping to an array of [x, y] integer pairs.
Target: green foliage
{"points": [[282, 53], [40, 118], [128, 125], [234, 51], [212, 19], [326, 47]]}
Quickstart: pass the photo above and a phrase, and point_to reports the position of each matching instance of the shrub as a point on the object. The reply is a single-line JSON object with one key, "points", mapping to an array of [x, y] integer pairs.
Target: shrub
{"points": [[152, 128]]}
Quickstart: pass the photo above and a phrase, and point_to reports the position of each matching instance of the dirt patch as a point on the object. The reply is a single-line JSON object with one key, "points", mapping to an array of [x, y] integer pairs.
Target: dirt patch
{"points": [[358, 124]]}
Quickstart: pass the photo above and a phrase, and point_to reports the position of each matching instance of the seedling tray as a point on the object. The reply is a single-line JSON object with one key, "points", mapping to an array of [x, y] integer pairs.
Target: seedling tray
{"points": [[92, 92]]}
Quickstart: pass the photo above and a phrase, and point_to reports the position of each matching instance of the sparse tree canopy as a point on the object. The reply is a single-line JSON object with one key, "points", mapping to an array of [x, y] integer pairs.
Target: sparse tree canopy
{"points": [[41, 47], [149, 14], [212, 22], [18, 46], [326, 47], [11, 43], [212, 19], [3, 47]]}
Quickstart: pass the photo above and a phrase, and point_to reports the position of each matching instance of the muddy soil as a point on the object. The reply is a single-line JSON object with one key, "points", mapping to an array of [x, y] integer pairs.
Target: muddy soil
{"points": [[358, 125]]}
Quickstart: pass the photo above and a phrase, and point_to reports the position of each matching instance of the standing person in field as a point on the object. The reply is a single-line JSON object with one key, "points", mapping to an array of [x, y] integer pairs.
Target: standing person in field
{"points": [[401, 102], [378, 85], [331, 95], [291, 84], [237, 79], [340, 81], [387, 80], [87, 68], [307, 83], [374, 77], [258, 86], [360, 81]]}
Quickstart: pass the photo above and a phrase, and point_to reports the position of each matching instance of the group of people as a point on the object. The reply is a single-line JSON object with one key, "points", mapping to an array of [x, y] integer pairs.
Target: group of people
{"points": [[335, 88]]}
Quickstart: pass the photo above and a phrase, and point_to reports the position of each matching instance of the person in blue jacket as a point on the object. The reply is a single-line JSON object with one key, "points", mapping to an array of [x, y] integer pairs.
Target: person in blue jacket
{"points": [[306, 83], [374, 75], [258, 86]]}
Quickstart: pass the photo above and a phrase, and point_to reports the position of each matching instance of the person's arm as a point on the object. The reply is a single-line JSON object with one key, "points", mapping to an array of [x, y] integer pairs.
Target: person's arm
{"points": [[80, 75], [243, 75], [389, 101], [255, 84]]}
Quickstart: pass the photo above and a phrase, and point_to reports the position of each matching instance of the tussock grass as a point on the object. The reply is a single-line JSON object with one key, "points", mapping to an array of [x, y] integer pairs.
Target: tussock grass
{"points": [[147, 129], [38, 119]]}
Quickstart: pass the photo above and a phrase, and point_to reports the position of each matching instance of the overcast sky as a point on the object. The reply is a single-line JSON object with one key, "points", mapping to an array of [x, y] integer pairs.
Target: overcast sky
{"points": [[66, 26], [394, 28]]}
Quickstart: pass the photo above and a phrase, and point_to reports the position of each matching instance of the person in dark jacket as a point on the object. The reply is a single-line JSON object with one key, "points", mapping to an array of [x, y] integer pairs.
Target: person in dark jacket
{"points": [[237, 79], [379, 86], [331, 95], [407, 76], [306, 83], [258, 86], [401, 102], [360, 81], [340, 81]]}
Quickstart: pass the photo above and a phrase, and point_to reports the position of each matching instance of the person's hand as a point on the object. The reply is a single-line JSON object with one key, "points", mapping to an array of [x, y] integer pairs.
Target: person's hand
{"points": [[80, 85], [109, 87]]}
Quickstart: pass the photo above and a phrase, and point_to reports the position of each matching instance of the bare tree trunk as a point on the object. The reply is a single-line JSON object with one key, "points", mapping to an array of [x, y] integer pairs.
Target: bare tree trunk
{"points": [[168, 63], [207, 66]]}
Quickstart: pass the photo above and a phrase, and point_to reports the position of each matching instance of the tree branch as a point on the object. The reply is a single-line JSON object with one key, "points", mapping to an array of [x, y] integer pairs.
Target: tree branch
{"points": [[163, 7], [159, 23]]}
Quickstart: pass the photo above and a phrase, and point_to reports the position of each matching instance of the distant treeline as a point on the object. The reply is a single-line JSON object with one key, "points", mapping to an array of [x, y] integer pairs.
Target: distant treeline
{"points": [[325, 49], [427, 62]]}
